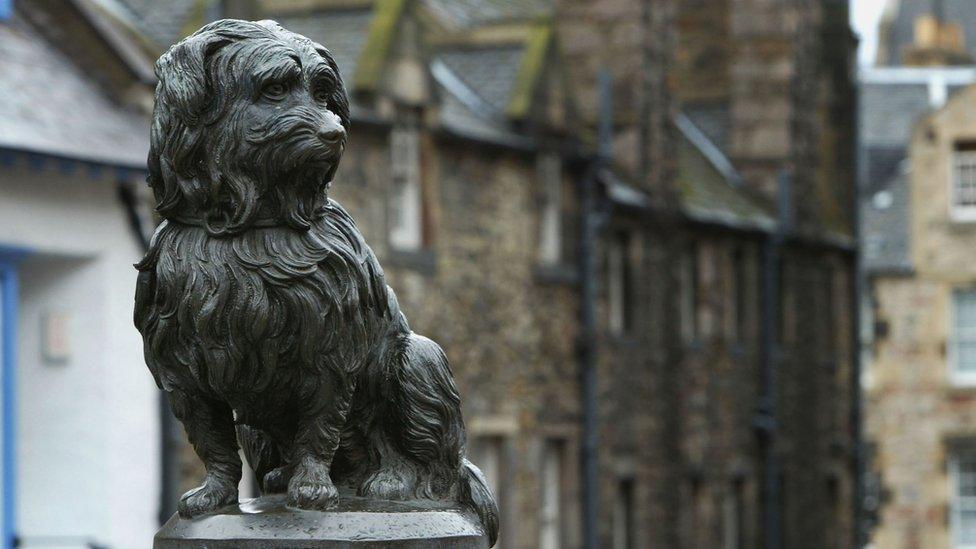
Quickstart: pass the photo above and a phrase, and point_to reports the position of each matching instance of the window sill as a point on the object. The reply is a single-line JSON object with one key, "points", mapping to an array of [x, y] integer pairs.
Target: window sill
{"points": [[556, 273], [963, 216], [421, 260], [962, 390]]}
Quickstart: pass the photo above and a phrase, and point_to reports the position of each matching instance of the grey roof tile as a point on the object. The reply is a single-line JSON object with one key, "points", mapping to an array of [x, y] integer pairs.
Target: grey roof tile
{"points": [[49, 106], [343, 32], [881, 164], [713, 120], [889, 111], [469, 13], [162, 21], [884, 226], [490, 72], [466, 114]]}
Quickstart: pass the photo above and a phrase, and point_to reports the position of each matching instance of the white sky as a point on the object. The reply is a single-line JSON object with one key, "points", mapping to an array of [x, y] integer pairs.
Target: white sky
{"points": [[865, 15]]}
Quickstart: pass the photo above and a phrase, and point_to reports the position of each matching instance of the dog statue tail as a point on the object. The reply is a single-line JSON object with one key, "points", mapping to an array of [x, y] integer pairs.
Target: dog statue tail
{"points": [[474, 491]]}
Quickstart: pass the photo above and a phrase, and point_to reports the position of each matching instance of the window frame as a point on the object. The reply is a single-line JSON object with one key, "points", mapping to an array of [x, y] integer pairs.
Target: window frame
{"points": [[961, 213], [689, 293], [549, 172], [556, 447], [955, 456], [498, 443], [956, 376], [739, 314], [406, 176], [624, 525], [620, 283]]}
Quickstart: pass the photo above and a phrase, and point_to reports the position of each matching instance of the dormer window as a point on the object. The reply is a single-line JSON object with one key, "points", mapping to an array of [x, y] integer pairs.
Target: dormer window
{"points": [[406, 205], [549, 170], [963, 190]]}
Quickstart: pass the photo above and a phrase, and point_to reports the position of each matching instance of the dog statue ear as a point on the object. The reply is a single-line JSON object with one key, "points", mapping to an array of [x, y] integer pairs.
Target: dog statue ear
{"points": [[182, 74]]}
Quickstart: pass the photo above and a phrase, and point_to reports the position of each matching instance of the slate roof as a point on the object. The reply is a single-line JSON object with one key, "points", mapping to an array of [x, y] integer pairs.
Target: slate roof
{"points": [[165, 20], [465, 113], [344, 32], [901, 31], [881, 164], [890, 110], [491, 72], [707, 196], [885, 226], [469, 13], [72, 119], [714, 120]]}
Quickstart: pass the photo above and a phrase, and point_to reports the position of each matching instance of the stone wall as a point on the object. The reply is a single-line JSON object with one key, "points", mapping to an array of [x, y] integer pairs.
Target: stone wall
{"points": [[916, 411]]}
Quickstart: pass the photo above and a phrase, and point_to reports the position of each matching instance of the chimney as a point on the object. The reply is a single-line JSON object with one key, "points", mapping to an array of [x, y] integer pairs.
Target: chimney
{"points": [[937, 42]]}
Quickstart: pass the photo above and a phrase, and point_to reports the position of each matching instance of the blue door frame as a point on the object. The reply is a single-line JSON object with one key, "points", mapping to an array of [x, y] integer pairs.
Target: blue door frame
{"points": [[9, 300]]}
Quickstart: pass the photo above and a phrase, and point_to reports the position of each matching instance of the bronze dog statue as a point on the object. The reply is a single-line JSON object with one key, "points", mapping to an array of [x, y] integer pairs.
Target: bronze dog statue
{"points": [[264, 314]]}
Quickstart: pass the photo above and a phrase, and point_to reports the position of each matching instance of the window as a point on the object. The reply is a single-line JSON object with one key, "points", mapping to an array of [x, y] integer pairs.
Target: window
{"points": [[488, 453], [550, 516], [739, 293], [696, 510], [733, 516], [550, 219], [689, 294], [962, 479], [963, 345], [406, 206], [963, 192], [623, 516], [830, 317], [835, 538], [784, 297], [620, 285]]}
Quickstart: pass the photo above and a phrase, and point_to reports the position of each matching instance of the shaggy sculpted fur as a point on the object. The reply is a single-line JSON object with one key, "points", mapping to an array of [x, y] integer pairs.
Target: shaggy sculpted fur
{"points": [[264, 314]]}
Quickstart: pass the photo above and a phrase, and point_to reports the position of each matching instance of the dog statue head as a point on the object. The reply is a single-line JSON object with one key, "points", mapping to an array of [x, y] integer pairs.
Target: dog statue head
{"points": [[248, 128]]}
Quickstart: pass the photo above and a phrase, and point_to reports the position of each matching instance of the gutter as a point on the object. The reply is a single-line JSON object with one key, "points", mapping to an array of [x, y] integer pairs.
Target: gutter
{"points": [[169, 440], [765, 421], [589, 391]]}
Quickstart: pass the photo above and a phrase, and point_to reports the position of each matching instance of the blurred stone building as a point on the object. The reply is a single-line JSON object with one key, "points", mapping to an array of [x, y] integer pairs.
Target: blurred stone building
{"points": [[917, 134], [724, 351]]}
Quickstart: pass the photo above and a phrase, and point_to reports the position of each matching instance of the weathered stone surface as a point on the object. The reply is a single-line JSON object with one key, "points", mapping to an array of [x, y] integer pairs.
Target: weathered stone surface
{"points": [[266, 523]]}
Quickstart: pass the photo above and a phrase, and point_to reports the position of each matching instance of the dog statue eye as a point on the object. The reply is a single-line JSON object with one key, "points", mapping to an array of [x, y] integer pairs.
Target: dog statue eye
{"points": [[322, 95], [274, 91]]}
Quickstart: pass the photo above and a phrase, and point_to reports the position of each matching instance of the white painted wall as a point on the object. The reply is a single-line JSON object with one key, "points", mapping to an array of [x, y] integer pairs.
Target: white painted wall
{"points": [[88, 455]]}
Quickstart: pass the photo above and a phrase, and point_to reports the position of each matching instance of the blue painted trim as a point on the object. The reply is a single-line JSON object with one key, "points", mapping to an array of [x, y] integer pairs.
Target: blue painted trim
{"points": [[9, 282]]}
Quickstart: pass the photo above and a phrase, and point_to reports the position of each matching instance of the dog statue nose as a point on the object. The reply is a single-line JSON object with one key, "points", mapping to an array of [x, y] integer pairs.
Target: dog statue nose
{"points": [[331, 134]]}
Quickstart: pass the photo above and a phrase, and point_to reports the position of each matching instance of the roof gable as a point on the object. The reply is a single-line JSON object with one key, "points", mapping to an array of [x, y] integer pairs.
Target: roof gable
{"points": [[74, 119]]}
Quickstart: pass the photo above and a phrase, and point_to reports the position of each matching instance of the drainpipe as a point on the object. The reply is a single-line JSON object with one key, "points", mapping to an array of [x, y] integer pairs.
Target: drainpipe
{"points": [[861, 527], [770, 356], [588, 329], [168, 435]]}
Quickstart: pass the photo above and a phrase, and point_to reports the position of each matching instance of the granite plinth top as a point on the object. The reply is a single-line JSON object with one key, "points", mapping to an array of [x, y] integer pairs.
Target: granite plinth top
{"points": [[267, 522]]}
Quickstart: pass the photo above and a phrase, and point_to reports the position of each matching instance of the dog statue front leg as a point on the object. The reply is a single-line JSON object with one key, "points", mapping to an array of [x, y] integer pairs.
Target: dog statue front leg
{"points": [[209, 426], [316, 441]]}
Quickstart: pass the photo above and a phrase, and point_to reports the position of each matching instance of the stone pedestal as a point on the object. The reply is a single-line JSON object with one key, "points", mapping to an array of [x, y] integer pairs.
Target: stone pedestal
{"points": [[266, 523]]}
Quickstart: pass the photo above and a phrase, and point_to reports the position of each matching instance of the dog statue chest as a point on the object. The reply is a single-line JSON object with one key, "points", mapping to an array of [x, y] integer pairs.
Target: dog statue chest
{"points": [[250, 310]]}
